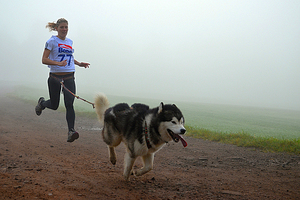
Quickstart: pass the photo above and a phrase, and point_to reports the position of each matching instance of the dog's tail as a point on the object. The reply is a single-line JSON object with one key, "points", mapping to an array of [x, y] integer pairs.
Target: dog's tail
{"points": [[101, 105]]}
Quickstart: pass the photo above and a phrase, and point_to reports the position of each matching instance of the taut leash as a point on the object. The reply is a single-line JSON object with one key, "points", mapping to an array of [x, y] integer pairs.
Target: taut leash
{"points": [[62, 83], [78, 97]]}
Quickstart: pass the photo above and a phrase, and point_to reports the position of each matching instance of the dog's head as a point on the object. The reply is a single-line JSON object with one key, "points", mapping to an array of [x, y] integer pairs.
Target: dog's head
{"points": [[171, 123]]}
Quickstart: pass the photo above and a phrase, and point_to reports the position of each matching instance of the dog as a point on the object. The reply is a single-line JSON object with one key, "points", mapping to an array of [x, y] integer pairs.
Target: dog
{"points": [[144, 131]]}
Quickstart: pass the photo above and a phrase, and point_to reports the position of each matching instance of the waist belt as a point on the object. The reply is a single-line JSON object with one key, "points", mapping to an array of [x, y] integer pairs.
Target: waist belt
{"points": [[62, 77]]}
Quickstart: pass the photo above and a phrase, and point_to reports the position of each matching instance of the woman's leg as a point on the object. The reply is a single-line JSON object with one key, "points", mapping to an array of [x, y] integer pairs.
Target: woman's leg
{"points": [[69, 100], [70, 115], [54, 93], [54, 88]]}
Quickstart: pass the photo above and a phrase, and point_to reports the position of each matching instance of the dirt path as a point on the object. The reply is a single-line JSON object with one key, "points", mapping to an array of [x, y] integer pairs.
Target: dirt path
{"points": [[36, 162]]}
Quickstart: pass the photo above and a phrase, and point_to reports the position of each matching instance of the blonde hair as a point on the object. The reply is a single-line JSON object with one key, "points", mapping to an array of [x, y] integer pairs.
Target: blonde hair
{"points": [[52, 25]]}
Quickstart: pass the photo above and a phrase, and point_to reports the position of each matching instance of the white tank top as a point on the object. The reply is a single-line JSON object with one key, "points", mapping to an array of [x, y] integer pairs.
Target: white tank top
{"points": [[61, 50]]}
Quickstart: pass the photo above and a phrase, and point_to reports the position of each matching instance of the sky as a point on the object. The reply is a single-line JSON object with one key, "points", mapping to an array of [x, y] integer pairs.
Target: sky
{"points": [[237, 52]]}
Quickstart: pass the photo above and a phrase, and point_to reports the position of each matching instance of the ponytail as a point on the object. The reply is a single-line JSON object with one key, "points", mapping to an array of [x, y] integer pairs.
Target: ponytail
{"points": [[52, 25]]}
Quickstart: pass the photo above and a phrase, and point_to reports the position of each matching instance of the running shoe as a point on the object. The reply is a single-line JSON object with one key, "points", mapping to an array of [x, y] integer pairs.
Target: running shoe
{"points": [[72, 135], [39, 108]]}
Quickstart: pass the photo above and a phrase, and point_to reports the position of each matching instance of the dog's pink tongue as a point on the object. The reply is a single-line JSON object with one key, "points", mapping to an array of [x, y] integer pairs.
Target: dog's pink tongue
{"points": [[184, 143]]}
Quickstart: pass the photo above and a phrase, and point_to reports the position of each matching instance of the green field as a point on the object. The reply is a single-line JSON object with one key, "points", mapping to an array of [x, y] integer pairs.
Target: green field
{"points": [[257, 122], [260, 122]]}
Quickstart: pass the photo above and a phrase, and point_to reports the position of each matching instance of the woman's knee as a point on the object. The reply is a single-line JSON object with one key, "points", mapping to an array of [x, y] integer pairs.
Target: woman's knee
{"points": [[55, 106], [69, 105]]}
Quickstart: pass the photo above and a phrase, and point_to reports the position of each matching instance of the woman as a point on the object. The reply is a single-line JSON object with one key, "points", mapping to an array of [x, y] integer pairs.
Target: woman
{"points": [[58, 55]]}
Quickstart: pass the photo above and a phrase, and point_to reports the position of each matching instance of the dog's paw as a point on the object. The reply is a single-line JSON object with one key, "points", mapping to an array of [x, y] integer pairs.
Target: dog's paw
{"points": [[126, 177], [142, 171], [113, 161], [139, 172]]}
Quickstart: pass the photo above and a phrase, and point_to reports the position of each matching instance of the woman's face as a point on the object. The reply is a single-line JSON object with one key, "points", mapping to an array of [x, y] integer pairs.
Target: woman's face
{"points": [[62, 30]]}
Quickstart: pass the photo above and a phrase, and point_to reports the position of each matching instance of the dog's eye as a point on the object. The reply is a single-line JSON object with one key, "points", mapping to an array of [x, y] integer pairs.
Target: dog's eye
{"points": [[173, 122]]}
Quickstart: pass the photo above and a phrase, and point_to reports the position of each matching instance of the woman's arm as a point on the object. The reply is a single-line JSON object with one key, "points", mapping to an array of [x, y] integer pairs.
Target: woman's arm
{"points": [[47, 61], [82, 64]]}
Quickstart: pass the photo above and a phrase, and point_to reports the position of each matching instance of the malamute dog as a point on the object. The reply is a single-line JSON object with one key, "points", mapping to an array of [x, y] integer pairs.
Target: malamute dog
{"points": [[144, 131]]}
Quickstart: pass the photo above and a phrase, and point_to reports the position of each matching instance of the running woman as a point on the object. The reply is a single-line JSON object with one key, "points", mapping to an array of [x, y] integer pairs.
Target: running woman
{"points": [[58, 55]]}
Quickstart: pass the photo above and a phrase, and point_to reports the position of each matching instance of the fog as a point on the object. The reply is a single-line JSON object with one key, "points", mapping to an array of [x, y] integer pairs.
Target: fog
{"points": [[210, 51]]}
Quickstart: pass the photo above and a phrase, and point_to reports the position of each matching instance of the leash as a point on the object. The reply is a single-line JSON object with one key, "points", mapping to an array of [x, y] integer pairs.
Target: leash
{"points": [[63, 85], [78, 97]]}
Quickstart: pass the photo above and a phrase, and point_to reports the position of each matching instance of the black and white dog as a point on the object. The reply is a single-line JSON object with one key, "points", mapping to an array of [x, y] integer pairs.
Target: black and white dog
{"points": [[144, 131]]}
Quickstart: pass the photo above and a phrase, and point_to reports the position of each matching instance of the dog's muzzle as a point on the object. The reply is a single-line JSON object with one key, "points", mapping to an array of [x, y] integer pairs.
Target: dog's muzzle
{"points": [[177, 137]]}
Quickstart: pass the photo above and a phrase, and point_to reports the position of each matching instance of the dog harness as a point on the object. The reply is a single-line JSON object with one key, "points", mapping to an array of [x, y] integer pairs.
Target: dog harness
{"points": [[147, 136]]}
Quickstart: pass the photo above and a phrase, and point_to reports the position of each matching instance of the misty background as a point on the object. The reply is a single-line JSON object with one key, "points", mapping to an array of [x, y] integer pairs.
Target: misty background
{"points": [[238, 52]]}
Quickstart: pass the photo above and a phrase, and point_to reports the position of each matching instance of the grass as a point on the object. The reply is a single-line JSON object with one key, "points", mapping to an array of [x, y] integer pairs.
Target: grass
{"points": [[266, 144], [270, 130], [258, 122]]}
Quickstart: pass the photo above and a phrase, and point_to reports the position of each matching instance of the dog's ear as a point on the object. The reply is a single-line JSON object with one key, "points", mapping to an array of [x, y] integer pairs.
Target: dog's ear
{"points": [[174, 105], [160, 107]]}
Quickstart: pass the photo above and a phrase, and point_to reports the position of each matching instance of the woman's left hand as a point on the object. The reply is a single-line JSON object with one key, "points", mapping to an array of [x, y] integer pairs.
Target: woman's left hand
{"points": [[84, 64]]}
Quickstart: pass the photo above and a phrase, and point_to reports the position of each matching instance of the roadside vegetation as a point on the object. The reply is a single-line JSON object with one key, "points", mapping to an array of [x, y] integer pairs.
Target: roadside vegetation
{"points": [[265, 129], [268, 144]]}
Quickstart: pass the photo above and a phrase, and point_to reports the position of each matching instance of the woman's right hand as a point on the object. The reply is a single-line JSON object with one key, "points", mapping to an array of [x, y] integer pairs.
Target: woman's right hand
{"points": [[47, 61], [63, 63]]}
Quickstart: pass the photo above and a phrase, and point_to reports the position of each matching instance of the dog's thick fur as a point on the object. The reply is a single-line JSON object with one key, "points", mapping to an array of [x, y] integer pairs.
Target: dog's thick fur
{"points": [[144, 131]]}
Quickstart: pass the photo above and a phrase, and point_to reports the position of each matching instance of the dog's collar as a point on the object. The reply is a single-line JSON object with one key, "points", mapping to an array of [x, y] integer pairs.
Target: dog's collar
{"points": [[147, 136]]}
